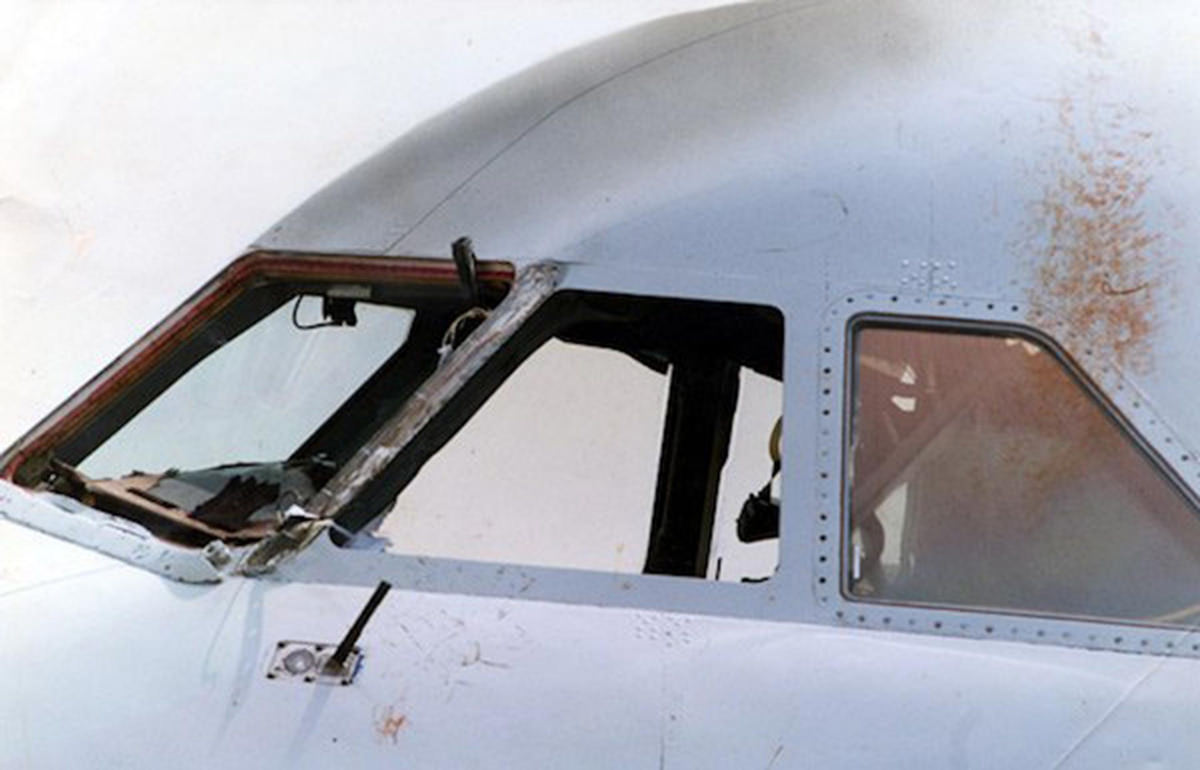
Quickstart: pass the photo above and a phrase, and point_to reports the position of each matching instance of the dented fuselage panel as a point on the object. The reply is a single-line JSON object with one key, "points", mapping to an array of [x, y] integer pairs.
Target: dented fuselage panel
{"points": [[903, 281]]}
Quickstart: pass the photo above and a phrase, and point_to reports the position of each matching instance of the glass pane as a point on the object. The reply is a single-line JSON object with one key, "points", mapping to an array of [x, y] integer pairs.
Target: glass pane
{"points": [[256, 398], [557, 469], [986, 476]]}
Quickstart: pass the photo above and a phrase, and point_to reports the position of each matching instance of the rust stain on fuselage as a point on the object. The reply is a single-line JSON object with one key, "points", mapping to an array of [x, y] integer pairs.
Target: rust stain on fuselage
{"points": [[388, 723], [1098, 262]]}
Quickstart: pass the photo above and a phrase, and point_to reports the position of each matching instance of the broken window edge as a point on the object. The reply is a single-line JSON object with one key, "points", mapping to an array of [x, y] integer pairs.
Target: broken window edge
{"points": [[533, 285], [66, 518], [255, 267]]}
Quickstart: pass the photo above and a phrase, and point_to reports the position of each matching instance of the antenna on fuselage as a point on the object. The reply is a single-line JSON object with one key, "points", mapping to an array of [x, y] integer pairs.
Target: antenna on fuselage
{"points": [[464, 260]]}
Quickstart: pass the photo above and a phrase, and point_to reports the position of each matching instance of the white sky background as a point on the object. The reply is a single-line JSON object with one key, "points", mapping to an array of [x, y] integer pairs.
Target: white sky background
{"points": [[144, 144]]}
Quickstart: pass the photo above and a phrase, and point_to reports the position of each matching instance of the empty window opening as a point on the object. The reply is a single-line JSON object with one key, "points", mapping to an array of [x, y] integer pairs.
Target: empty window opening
{"points": [[749, 473], [547, 471], [625, 440]]}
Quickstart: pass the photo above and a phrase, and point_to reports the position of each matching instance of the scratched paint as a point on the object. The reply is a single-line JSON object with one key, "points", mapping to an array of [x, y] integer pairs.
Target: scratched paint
{"points": [[1098, 261]]}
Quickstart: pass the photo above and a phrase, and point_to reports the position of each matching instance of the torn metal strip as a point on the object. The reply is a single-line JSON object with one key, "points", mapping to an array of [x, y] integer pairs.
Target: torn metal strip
{"points": [[114, 536], [533, 285], [298, 531]]}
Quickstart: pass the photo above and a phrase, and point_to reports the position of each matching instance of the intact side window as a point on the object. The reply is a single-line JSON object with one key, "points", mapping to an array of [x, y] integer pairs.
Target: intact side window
{"points": [[986, 475], [626, 439]]}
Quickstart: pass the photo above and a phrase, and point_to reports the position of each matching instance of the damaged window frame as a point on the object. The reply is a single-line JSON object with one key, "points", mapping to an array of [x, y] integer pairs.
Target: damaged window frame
{"points": [[366, 482], [250, 289], [701, 344], [305, 554]]}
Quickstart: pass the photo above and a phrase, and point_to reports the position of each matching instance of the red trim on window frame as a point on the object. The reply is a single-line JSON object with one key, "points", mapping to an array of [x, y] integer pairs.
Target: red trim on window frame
{"points": [[208, 302]]}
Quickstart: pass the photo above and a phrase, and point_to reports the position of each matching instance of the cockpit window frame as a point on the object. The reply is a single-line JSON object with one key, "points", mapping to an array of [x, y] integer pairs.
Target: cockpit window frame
{"points": [[784, 597], [1104, 383], [224, 307], [245, 274]]}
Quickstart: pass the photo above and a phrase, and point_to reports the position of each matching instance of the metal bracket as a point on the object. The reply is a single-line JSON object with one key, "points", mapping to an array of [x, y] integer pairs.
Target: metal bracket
{"points": [[322, 663], [310, 662]]}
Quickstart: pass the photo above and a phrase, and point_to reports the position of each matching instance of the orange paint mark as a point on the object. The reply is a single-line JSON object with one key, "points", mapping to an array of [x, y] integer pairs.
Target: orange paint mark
{"points": [[1098, 262], [388, 723]]}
